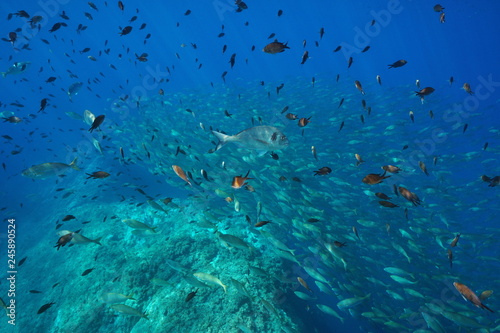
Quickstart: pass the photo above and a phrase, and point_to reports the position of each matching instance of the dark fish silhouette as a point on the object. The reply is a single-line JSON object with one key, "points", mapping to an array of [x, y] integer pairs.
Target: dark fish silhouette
{"points": [[275, 47], [399, 63], [97, 122], [125, 31], [45, 307]]}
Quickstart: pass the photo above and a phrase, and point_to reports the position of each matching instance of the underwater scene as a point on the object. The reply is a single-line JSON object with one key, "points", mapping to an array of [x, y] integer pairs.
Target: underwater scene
{"points": [[249, 166]]}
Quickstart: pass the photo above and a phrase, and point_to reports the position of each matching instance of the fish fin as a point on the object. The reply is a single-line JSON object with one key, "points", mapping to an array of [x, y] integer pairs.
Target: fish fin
{"points": [[153, 229], [487, 308], [73, 164], [223, 139], [98, 240]]}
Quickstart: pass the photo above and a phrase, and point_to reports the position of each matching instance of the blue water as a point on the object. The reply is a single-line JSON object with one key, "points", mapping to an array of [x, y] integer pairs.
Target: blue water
{"points": [[458, 145]]}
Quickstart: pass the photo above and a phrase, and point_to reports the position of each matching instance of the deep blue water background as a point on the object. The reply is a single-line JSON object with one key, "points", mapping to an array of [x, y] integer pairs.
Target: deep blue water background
{"points": [[465, 47]]}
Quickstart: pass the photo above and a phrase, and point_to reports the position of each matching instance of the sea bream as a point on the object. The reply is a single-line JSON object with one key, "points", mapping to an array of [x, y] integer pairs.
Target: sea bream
{"points": [[74, 89], [17, 68], [262, 138], [46, 170]]}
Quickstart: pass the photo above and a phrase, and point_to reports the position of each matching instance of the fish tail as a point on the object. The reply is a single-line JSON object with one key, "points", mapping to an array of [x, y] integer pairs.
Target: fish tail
{"points": [[223, 139], [153, 229], [98, 240], [73, 164], [487, 308], [225, 291]]}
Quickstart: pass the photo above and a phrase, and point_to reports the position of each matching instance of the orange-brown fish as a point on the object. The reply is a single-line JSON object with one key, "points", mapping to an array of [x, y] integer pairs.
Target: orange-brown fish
{"points": [[303, 283], [323, 171], [358, 85], [239, 181], [382, 196], [387, 204], [485, 294], [423, 167], [97, 175], [470, 296], [467, 88], [373, 178], [410, 196], [291, 116], [275, 47], [424, 92], [359, 160], [261, 223], [63, 240], [455, 240], [304, 121], [179, 172], [391, 168]]}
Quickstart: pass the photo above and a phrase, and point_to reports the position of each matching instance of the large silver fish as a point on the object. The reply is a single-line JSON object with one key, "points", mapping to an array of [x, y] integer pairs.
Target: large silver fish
{"points": [[46, 170], [17, 68], [88, 117], [262, 138]]}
